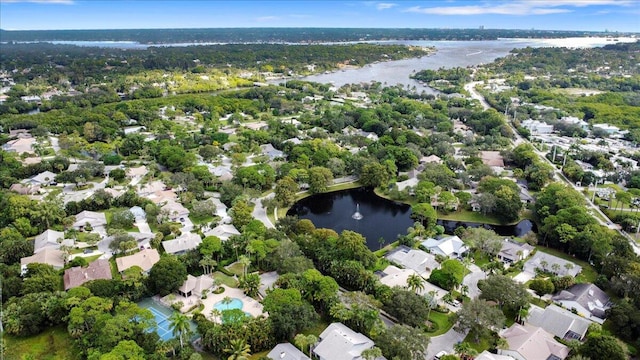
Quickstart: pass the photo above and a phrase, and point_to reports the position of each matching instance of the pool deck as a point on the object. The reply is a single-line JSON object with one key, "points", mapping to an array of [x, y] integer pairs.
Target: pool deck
{"points": [[249, 305]]}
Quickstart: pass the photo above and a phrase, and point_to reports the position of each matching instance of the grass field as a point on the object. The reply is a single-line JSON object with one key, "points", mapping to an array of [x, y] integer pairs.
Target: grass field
{"points": [[224, 279], [53, 344], [444, 321]]}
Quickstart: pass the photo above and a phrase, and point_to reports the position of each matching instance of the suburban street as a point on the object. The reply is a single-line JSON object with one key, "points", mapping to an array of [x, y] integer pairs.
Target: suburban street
{"points": [[471, 280], [444, 342], [557, 173]]}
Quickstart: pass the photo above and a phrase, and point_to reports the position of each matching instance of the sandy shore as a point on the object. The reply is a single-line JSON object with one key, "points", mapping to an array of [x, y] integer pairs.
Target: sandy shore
{"points": [[583, 42]]}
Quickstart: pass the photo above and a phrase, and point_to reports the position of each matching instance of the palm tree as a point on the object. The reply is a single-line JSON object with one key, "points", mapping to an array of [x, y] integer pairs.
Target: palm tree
{"points": [[245, 261], [431, 300], [216, 314], [464, 289], [238, 350], [304, 341], [544, 264], [465, 350], [415, 283], [179, 324], [522, 314], [555, 267]]}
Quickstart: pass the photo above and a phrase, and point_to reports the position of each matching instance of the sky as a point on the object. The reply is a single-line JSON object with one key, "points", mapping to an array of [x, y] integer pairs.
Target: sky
{"points": [[588, 15]]}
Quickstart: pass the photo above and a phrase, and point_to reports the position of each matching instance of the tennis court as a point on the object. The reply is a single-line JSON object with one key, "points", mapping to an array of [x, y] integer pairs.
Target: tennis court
{"points": [[163, 323], [162, 314]]}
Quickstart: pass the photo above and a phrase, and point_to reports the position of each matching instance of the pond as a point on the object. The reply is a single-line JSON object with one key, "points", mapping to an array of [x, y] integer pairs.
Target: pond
{"points": [[381, 218]]}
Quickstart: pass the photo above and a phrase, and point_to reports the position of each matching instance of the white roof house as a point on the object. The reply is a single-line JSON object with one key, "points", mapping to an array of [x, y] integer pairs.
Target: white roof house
{"points": [[485, 355], [223, 231], [536, 127], [182, 244], [610, 129], [423, 263], [286, 351], [338, 342], [95, 219], [196, 285], [558, 321], [44, 178], [551, 264], [528, 342], [175, 210], [48, 239], [449, 246], [394, 276], [271, 152]]}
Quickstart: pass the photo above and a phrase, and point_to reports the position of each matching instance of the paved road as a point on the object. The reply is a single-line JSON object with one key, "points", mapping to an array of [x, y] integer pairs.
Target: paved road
{"points": [[444, 342], [557, 173], [471, 280], [260, 213]]}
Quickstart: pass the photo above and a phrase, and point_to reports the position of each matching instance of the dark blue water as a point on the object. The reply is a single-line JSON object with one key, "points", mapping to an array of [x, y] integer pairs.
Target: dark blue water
{"points": [[382, 218]]}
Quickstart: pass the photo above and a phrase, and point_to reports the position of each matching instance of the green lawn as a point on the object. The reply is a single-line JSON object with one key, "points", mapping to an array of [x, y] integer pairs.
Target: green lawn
{"points": [[236, 268], [53, 344], [444, 321], [224, 279], [201, 220], [588, 273], [484, 343]]}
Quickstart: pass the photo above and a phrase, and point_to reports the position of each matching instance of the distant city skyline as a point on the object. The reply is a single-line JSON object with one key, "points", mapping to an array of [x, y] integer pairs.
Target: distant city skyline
{"points": [[582, 15]]}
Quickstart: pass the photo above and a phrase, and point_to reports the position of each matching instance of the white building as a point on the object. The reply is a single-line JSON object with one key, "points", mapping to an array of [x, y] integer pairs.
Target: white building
{"points": [[536, 127]]}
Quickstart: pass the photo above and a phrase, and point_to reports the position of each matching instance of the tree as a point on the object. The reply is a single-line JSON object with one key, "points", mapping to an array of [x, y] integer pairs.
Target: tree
{"points": [[542, 286], [167, 275], [402, 342], [122, 219], [426, 214], [479, 317], [374, 174], [600, 346], [179, 325], [465, 350], [371, 354], [485, 240], [125, 350], [238, 350], [288, 312], [450, 274], [285, 192], [304, 341], [408, 307], [250, 283], [319, 179], [415, 283], [505, 291], [241, 213]]}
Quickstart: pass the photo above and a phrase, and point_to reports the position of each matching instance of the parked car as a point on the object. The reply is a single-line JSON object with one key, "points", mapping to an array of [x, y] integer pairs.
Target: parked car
{"points": [[440, 354]]}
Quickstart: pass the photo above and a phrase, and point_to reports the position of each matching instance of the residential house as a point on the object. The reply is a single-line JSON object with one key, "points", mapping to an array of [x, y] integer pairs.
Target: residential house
{"points": [[492, 158], [575, 121], [25, 189], [431, 159], [197, 286], [553, 264], [449, 246], [338, 342], [409, 183], [587, 299], [138, 213], [528, 342], [49, 256], [48, 239], [223, 231], [271, 152], [286, 351], [513, 251], [45, 178], [394, 276], [182, 244], [20, 145], [223, 173], [422, 262], [32, 99], [76, 276], [95, 219], [175, 210], [485, 355], [536, 127], [609, 129], [145, 259], [138, 172], [559, 322]]}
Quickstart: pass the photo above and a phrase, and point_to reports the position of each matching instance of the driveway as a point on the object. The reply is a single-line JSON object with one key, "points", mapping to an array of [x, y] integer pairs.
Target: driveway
{"points": [[143, 226], [471, 280], [444, 342], [260, 213]]}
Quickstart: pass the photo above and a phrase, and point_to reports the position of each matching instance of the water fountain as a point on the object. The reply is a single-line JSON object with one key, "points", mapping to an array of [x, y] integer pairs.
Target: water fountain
{"points": [[356, 215]]}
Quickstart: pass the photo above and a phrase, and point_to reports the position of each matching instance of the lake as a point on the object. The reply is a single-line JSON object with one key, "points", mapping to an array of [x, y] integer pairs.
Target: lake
{"points": [[381, 218]]}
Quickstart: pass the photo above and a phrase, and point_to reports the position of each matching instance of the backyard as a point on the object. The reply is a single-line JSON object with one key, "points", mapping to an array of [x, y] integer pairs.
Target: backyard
{"points": [[52, 344]]}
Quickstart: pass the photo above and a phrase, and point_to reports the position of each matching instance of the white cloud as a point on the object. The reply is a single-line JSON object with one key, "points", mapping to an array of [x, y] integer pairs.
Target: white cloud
{"points": [[384, 6], [63, 2], [267, 18], [522, 7]]}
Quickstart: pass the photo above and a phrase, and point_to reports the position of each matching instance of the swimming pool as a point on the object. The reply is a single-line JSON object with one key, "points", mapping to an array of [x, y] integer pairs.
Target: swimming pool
{"points": [[234, 304]]}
